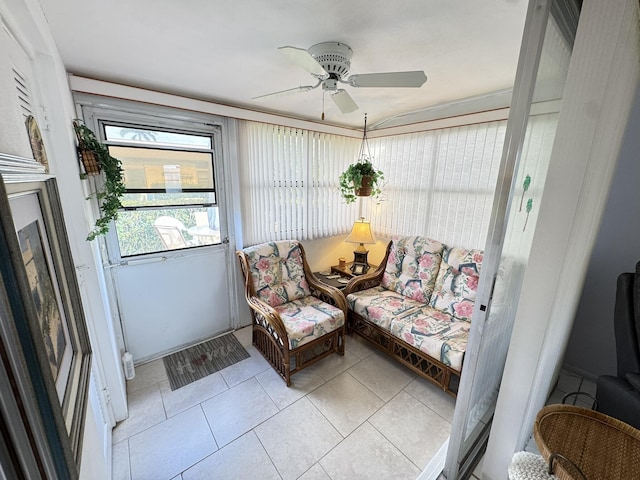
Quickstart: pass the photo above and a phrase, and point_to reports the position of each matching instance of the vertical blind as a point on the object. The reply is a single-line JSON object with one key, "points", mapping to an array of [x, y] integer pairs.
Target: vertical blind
{"points": [[438, 183], [289, 179]]}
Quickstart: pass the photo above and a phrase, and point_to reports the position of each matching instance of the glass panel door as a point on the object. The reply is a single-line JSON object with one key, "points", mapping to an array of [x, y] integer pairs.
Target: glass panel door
{"points": [[542, 70]]}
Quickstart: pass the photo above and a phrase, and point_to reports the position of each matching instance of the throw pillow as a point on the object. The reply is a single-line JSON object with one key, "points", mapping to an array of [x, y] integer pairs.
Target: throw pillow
{"points": [[457, 257], [455, 291], [411, 267]]}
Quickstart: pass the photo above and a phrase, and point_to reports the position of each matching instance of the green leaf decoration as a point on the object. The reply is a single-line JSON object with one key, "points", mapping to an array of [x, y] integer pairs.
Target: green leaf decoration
{"points": [[529, 207], [525, 187]]}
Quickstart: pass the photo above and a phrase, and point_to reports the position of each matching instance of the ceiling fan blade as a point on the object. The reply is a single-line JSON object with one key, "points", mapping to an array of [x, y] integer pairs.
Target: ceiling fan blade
{"points": [[284, 93], [344, 102], [302, 58], [390, 79]]}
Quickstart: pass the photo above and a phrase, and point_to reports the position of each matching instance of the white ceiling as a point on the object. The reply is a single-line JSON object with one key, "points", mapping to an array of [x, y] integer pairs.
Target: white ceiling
{"points": [[226, 50]]}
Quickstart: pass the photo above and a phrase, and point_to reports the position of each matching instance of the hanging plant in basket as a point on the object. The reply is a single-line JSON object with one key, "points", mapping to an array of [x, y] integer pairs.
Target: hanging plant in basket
{"points": [[361, 179], [95, 157]]}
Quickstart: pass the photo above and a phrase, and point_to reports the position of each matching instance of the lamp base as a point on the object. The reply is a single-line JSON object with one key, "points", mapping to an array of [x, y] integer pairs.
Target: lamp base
{"points": [[360, 262]]}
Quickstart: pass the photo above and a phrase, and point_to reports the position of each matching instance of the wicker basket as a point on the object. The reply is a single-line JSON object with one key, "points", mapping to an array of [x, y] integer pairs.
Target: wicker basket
{"points": [[601, 447], [365, 189], [89, 161]]}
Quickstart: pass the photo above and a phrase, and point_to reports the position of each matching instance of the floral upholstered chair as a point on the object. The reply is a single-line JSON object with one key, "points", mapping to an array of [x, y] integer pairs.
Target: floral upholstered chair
{"points": [[297, 320]]}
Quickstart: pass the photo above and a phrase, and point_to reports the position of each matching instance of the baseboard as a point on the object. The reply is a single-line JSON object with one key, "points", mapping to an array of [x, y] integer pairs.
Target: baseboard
{"points": [[581, 373]]}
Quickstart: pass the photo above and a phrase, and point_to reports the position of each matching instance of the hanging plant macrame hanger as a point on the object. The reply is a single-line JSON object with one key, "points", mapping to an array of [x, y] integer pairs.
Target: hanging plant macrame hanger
{"points": [[362, 156]]}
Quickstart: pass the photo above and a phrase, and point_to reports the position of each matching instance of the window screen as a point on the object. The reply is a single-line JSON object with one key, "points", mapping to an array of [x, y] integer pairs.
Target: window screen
{"points": [[170, 198]]}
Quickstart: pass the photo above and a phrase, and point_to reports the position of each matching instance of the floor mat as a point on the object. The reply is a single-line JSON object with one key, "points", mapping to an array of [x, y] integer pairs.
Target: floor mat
{"points": [[196, 362]]}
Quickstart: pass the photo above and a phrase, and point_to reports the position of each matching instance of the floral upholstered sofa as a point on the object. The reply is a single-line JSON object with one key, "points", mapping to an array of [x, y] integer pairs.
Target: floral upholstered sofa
{"points": [[417, 305]]}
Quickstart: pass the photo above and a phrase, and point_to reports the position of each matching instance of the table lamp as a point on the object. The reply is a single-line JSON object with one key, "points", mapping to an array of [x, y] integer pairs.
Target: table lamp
{"points": [[360, 233]]}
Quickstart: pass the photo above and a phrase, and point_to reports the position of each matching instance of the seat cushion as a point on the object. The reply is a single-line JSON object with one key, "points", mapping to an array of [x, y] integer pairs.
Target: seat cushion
{"points": [[435, 333], [529, 466], [412, 267], [308, 318], [277, 271], [380, 306]]}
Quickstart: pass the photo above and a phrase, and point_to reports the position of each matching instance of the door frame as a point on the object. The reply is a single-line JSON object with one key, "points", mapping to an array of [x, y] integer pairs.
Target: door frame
{"points": [[95, 109], [462, 454]]}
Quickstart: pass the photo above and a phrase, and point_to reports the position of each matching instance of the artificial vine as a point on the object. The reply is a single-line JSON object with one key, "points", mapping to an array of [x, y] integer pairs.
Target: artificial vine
{"points": [[109, 195], [351, 179]]}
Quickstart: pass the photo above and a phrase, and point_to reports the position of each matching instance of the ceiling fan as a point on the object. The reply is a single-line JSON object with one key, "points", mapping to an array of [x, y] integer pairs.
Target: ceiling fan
{"points": [[329, 63]]}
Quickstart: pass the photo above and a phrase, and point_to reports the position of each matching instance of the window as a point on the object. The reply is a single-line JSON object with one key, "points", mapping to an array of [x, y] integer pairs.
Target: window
{"points": [[289, 178], [439, 183], [170, 199]]}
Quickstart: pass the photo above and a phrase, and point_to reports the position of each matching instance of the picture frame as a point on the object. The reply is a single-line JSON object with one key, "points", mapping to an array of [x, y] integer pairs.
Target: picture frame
{"points": [[359, 268], [36, 142], [51, 329]]}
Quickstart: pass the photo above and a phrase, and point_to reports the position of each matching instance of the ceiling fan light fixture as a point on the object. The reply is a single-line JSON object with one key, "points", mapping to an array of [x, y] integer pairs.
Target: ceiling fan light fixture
{"points": [[330, 84]]}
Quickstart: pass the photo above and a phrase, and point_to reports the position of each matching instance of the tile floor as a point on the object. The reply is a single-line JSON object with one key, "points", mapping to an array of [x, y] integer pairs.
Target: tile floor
{"points": [[358, 416]]}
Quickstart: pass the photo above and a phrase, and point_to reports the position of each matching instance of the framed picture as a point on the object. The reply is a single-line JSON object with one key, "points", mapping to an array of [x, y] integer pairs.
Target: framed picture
{"points": [[35, 139], [359, 268], [52, 335]]}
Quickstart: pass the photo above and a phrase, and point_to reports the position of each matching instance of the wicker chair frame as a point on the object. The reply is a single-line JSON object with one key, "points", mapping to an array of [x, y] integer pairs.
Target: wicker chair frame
{"points": [[580, 443], [270, 335], [416, 360]]}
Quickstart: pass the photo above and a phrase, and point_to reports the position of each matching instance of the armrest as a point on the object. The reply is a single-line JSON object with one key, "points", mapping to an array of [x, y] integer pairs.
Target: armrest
{"points": [[260, 308], [327, 293], [267, 312], [368, 280], [362, 282]]}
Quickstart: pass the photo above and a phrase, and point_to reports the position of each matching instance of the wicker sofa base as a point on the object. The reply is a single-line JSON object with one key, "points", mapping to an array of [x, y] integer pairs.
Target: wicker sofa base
{"points": [[286, 364], [419, 362]]}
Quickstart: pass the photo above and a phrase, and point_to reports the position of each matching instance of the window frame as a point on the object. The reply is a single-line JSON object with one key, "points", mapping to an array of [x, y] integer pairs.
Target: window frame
{"points": [[120, 114]]}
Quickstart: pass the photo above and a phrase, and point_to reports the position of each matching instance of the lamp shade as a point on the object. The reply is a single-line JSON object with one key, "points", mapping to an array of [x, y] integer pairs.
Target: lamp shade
{"points": [[361, 233]]}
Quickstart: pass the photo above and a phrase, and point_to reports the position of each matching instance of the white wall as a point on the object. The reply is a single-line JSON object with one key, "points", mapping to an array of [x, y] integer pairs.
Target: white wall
{"points": [[96, 456], [54, 111], [591, 349], [325, 252]]}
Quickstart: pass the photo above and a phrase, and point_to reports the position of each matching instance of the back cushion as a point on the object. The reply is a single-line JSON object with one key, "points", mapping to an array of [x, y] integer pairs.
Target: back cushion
{"points": [[277, 272], [468, 259], [457, 282], [412, 267]]}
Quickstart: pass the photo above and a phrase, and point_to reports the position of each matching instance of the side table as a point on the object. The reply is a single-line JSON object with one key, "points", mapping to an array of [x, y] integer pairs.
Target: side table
{"points": [[339, 283], [346, 270]]}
